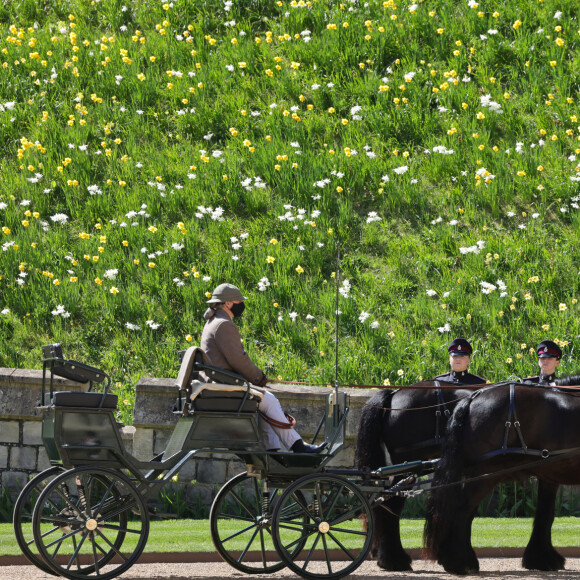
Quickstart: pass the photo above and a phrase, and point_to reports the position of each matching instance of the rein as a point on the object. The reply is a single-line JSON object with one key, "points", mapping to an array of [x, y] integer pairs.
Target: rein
{"points": [[435, 406]]}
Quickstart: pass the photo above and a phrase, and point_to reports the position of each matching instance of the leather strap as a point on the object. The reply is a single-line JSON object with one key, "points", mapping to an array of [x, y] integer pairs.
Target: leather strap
{"points": [[279, 424]]}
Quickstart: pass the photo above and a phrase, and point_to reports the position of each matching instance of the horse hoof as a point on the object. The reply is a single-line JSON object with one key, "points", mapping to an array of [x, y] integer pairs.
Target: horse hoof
{"points": [[543, 562], [395, 566], [544, 566], [458, 570]]}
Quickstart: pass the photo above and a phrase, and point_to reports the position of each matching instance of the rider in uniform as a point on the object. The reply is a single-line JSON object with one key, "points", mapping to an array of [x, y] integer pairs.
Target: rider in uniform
{"points": [[459, 359], [549, 355], [221, 342]]}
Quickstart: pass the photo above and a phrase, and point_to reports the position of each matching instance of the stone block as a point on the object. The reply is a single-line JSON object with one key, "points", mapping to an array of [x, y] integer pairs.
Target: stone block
{"points": [[127, 437], [32, 433], [154, 399], [234, 466], [23, 458], [162, 437], [43, 461], [3, 457], [143, 444], [211, 471], [9, 431], [14, 480], [200, 498], [188, 472]]}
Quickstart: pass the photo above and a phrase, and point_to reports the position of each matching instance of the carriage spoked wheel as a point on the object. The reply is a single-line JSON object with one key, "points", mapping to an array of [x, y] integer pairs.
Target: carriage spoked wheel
{"points": [[22, 516], [90, 523], [240, 522], [327, 522]]}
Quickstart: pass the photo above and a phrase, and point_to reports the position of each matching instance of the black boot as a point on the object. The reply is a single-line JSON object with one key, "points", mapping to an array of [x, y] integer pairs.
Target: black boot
{"points": [[301, 447]]}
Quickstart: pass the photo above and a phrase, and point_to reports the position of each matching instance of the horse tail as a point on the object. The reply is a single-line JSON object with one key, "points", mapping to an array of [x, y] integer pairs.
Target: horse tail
{"points": [[369, 446], [442, 501]]}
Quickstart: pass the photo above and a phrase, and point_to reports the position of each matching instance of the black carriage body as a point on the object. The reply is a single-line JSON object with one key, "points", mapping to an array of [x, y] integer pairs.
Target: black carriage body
{"points": [[80, 436]]}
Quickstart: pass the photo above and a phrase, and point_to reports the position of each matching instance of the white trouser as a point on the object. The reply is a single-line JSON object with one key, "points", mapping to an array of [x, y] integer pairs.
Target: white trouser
{"points": [[271, 436]]}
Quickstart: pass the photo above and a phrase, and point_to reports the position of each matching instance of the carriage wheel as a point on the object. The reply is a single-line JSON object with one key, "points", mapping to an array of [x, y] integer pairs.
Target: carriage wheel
{"points": [[90, 522], [241, 525], [22, 517], [329, 527]]}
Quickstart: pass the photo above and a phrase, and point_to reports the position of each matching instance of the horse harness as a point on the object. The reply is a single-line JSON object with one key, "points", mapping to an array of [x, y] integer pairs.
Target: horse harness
{"points": [[442, 414], [513, 421]]}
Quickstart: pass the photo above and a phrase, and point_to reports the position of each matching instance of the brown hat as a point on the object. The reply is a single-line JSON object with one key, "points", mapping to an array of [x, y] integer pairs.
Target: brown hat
{"points": [[226, 293]]}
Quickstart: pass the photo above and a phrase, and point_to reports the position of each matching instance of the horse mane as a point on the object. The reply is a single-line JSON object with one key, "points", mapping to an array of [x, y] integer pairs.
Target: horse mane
{"points": [[369, 450], [568, 381], [442, 503]]}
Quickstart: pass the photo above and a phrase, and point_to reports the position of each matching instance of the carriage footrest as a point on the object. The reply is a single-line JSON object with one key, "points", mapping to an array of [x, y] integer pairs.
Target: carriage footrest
{"points": [[90, 400]]}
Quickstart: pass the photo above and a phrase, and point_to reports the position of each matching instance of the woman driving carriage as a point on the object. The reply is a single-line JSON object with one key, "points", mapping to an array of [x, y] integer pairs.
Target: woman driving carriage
{"points": [[221, 342]]}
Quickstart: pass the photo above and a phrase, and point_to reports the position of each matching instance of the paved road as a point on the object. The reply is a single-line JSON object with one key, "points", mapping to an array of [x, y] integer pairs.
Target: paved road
{"points": [[491, 568]]}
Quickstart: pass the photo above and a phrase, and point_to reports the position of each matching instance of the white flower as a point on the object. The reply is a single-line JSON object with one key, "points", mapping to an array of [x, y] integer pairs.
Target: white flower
{"points": [[375, 324], [401, 170], [373, 217], [60, 311], [487, 288], [293, 316], [431, 292], [131, 326], [5, 312], [152, 324], [60, 218], [445, 328], [443, 150], [363, 316], [345, 289], [111, 274]]}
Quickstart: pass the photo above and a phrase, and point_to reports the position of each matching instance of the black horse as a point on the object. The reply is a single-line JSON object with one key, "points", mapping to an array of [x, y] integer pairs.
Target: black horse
{"points": [[396, 426], [504, 433]]}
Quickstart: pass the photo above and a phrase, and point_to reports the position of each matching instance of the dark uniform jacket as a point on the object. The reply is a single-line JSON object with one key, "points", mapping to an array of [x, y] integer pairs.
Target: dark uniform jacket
{"points": [[221, 342], [540, 380], [462, 378]]}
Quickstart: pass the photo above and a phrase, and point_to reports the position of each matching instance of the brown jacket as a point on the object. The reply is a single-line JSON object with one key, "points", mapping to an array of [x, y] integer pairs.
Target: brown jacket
{"points": [[221, 342]]}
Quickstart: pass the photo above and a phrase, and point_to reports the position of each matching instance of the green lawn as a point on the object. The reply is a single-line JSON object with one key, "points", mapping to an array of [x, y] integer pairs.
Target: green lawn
{"points": [[193, 535]]}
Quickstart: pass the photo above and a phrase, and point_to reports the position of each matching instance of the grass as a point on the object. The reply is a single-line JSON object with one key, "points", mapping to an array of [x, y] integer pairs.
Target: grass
{"points": [[151, 151], [181, 535]]}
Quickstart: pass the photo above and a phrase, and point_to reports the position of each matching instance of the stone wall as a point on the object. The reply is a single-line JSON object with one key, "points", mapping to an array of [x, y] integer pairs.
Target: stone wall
{"points": [[22, 453]]}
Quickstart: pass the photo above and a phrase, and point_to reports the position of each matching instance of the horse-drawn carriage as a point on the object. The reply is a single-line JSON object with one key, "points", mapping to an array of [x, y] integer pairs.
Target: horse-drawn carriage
{"points": [[87, 516]]}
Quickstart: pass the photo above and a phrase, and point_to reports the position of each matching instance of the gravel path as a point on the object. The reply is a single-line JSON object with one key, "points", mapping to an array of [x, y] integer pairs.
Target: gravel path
{"points": [[493, 568]]}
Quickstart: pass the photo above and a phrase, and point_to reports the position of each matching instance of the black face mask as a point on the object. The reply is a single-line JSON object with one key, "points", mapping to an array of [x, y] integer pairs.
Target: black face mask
{"points": [[237, 309]]}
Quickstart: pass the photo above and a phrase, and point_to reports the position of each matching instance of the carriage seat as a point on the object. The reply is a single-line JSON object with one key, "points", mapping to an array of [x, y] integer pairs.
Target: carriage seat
{"points": [[76, 371], [230, 393], [90, 400], [225, 398]]}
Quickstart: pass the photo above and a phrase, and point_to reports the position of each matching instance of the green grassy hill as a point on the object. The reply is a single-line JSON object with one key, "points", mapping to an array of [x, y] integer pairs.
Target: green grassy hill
{"points": [[151, 151]]}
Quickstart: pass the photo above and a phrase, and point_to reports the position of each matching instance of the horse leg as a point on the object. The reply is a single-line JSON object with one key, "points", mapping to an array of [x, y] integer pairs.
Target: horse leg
{"points": [[390, 553], [456, 554], [539, 553]]}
